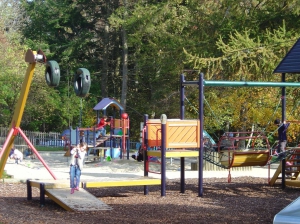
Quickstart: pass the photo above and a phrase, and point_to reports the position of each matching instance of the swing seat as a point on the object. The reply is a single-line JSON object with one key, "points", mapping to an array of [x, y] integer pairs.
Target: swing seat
{"points": [[244, 158], [233, 151]]}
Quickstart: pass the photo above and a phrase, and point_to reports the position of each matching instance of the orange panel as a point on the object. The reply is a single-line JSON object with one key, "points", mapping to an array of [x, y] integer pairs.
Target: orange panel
{"points": [[180, 133], [154, 132], [183, 134], [118, 123]]}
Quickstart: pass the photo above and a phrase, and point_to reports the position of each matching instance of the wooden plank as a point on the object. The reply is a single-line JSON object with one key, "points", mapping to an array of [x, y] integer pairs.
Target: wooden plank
{"points": [[174, 153], [59, 192], [79, 201], [276, 175], [118, 123], [154, 132], [50, 184], [183, 134], [180, 133], [141, 181]]}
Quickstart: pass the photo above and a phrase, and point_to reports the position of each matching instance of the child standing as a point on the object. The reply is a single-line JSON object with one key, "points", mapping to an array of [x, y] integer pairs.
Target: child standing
{"points": [[76, 165]]}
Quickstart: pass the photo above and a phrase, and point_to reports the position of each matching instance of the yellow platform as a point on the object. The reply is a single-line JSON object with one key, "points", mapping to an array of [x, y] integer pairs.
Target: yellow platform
{"points": [[174, 153], [59, 191], [122, 182]]}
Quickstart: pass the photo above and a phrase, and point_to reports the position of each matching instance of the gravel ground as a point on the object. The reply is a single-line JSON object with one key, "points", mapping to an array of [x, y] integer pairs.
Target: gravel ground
{"points": [[244, 200]]}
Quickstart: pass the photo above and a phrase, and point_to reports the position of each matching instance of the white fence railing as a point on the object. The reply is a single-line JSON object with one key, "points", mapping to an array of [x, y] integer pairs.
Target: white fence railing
{"points": [[36, 138], [41, 139]]}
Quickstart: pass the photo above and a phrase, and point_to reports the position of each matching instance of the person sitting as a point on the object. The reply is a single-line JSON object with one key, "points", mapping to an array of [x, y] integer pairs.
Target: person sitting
{"points": [[16, 155], [140, 156], [28, 153], [101, 130]]}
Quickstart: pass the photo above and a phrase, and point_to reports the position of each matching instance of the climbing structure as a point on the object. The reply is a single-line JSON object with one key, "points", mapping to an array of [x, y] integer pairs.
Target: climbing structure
{"points": [[292, 169], [182, 136]]}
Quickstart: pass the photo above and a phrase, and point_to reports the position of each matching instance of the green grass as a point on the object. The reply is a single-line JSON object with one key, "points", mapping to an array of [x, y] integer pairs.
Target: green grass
{"points": [[49, 148], [5, 176]]}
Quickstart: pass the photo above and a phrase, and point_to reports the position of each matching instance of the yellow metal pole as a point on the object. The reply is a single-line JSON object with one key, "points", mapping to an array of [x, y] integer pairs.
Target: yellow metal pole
{"points": [[18, 113]]}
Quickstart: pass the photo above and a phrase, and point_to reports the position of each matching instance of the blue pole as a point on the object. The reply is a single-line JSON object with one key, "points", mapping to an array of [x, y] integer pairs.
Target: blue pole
{"points": [[201, 118], [182, 110], [283, 117], [146, 189], [70, 137], [77, 135], [182, 96]]}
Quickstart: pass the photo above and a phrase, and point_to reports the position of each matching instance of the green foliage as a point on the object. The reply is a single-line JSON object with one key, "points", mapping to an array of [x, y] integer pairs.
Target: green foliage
{"points": [[227, 40], [5, 175]]}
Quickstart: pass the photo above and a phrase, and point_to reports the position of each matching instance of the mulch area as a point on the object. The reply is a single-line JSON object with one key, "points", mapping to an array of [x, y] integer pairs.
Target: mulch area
{"points": [[244, 200]]}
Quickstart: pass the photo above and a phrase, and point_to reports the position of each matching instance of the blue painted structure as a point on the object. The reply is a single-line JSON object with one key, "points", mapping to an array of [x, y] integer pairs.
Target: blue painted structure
{"points": [[290, 63], [90, 138]]}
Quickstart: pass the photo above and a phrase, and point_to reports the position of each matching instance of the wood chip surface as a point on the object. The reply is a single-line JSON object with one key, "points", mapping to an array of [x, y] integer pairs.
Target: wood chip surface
{"points": [[244, 200]]}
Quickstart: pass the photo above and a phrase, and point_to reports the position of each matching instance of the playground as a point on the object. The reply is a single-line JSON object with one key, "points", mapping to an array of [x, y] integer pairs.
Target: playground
{"points": [[247, 199], [118, 190]]}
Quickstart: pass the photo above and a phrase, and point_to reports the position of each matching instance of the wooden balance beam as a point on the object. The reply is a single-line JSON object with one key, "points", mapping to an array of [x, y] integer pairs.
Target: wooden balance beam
{"points": [[122, 182], [59, 192]]}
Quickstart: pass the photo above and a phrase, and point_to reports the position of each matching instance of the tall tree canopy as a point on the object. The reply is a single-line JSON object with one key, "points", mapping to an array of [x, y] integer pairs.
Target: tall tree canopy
{"points": [[226, 39]]}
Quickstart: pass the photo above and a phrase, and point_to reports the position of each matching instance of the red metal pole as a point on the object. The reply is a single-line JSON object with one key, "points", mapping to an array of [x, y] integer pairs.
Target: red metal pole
{"points": [[6, 141], [36, 153], [124, 138]]}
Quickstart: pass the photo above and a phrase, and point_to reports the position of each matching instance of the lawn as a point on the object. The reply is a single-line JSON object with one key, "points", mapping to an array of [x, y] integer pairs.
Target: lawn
{"points": [[49, 148]]}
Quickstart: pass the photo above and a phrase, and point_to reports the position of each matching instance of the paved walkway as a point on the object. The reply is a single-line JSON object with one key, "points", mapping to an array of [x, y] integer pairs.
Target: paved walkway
{"points": [[118, 168]]}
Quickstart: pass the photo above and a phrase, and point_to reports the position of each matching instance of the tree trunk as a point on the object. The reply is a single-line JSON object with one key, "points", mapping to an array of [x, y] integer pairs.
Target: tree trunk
{"points": [[125, 64], [104, 72]]}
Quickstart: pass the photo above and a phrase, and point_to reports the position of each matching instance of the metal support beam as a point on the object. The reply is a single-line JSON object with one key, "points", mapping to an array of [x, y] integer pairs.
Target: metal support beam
{"points": [[242, 84]]}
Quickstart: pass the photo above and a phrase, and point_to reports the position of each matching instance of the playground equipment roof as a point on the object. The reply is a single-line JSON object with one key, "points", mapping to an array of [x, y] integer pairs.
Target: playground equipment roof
{"points": [[290, 63], [106, 102]]}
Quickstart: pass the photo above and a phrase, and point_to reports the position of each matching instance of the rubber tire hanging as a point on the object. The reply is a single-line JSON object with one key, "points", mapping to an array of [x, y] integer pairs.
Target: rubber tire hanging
{"points": [[52, 73], [82, 82]]}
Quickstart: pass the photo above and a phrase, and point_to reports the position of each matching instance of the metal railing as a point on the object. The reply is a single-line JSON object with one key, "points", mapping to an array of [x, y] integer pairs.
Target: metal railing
{"points": [[36, 138]]}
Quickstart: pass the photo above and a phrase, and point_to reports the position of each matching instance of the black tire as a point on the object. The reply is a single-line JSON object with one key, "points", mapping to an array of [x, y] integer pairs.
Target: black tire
{"points": [[82, 82], [52, 73]]}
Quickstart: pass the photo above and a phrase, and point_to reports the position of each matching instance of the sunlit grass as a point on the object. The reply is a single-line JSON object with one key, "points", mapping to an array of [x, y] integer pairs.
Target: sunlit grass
{"points": [[49, 148], [5, 175]]}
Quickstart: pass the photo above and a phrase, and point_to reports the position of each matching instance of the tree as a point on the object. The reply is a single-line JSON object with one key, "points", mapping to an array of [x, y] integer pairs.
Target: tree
{"points": [[227, 39]]}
